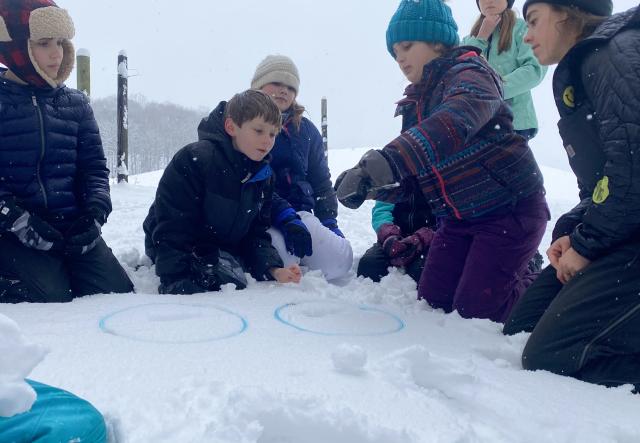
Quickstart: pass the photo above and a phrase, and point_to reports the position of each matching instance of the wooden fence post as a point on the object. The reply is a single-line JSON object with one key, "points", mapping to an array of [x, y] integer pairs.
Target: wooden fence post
{"points": [[123, 118], [83, 67]]}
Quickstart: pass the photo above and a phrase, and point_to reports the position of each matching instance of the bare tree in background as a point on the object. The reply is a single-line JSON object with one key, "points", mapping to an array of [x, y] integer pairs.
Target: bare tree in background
{"points": [[156, 131]]}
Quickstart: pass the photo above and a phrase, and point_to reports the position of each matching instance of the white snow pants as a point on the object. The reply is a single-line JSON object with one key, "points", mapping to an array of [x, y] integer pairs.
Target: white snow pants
{"points": [[331, 254]]}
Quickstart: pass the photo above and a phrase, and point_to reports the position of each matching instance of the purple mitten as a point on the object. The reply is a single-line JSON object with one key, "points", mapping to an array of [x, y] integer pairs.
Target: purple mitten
{"points": [[388, 230], [408, 249], [425, 235]]}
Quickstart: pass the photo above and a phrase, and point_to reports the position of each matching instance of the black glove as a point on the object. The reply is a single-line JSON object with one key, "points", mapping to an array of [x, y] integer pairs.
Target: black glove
{"points": [[31, 230], [295, 232], [182, 285], [212, 268], [83, 235], [372, 174]]}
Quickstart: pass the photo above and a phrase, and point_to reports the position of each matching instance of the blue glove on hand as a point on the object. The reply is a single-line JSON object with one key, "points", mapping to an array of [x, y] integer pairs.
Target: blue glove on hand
{"points": [[31, 230], [332, 224], [296, 235]]}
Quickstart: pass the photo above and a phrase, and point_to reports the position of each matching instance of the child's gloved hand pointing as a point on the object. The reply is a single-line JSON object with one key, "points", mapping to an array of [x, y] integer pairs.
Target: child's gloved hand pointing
{"points": [[372, 174]]}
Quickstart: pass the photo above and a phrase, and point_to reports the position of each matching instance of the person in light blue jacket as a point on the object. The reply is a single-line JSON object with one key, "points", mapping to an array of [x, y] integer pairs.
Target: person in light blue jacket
{"points": [[499, 34]]}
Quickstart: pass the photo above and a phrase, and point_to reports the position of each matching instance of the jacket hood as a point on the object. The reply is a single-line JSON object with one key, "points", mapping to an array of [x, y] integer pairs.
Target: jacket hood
{"points": [[608, 29], [617, 22], [212, 126]]}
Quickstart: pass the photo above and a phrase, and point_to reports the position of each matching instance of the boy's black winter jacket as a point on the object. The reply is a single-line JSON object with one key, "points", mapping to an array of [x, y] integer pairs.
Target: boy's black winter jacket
{"points": [[212, 196], [597, 92], [51, 156]]}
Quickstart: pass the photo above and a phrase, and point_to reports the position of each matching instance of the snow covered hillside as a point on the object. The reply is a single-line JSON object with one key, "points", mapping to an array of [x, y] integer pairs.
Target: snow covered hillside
{"points": [[307, 363]]}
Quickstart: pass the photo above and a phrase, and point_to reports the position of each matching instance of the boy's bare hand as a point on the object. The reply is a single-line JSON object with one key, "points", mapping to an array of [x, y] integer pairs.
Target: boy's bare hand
{"points": [[489, 24], [570, 264], [557, 249], [291, 274]]}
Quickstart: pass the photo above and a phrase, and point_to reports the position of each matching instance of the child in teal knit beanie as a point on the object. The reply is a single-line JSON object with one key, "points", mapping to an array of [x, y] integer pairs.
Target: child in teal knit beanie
{"points": [[459, 150], [422, 20]]}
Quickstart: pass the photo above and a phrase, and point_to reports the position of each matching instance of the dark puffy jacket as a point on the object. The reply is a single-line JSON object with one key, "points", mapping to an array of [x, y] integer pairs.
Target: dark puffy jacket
{"points": [[597, 92], [302, 173], [458, 141], [51, 156], [212, 196]]}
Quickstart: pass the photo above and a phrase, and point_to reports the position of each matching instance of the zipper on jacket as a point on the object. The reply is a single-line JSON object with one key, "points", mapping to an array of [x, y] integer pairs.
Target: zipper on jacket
{"points": [[412, 212], [42, 146], [489, 42]]}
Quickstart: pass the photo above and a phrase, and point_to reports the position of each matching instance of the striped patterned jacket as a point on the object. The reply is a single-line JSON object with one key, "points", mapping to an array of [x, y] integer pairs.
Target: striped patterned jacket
{"points": [[458, 142]]}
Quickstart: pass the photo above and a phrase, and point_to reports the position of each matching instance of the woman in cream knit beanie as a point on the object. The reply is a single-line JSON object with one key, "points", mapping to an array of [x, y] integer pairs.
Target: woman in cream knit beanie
{"points": [[302, 179], [276, 69]]}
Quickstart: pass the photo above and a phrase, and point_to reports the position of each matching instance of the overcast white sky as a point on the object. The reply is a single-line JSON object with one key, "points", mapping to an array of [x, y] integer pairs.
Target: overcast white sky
{"points": [[198, 52]]}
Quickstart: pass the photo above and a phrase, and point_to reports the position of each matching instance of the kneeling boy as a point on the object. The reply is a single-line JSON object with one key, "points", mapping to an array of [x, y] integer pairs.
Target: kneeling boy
{"points": [[208, 223]]}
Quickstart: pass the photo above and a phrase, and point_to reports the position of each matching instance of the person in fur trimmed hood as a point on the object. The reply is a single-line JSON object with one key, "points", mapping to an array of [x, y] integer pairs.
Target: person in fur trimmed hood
{"points": [[54, 182]]}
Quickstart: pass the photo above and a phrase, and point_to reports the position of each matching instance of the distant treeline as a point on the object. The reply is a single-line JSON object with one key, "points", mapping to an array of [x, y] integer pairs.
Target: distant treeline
{"points": [[156, 131]]}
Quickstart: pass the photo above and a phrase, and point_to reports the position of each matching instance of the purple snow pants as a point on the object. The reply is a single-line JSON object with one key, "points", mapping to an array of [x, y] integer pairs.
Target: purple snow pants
{"points": [[479, 267]]}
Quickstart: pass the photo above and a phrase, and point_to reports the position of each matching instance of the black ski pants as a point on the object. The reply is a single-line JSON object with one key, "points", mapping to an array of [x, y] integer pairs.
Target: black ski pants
{"points": [[589, 328], [29, 275]]}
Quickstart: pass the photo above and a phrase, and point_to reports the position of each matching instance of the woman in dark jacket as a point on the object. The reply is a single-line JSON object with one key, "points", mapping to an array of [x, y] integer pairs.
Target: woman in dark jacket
{"points": [[54, 182], [306, 229], [584, 309]]}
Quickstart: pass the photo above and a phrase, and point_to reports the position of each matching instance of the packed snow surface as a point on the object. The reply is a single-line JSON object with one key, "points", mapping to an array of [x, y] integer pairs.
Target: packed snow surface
{"points": [[359, 362]]}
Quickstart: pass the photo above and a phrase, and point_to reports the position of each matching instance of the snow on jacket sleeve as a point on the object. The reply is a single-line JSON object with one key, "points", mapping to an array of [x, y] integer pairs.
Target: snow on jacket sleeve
{"points": [[326, 203], [178, 208], [92, 172], [611, 83]]}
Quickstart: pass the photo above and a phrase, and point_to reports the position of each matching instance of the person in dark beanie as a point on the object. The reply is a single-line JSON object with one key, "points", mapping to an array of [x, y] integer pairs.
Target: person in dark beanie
{"points": [[208, 223], [499, 34], [596, 8], [459, 148], [54, 183], [583, 311], [305, 225]]}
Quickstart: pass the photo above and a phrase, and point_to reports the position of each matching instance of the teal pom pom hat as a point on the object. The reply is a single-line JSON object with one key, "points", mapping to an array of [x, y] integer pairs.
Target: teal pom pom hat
{"points": [[424, 21]]}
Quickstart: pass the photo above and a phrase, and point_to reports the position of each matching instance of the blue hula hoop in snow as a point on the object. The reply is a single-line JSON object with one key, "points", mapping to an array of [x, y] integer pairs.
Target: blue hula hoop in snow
{"points": [[396, 323], [240, 324]]}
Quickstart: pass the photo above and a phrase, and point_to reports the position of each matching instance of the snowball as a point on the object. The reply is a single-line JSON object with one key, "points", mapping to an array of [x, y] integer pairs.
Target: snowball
{"points": [[349, 359]]}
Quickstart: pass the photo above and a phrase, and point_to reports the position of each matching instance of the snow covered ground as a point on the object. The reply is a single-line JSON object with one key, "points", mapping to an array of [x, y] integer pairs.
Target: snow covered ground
{"points": [[307, 363]]}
